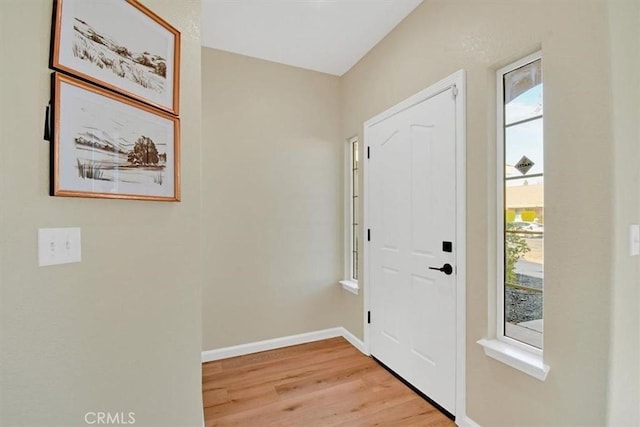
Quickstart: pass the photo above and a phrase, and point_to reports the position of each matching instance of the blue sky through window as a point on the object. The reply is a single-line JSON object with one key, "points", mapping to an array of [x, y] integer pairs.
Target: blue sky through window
{"points": [[525, 139]]}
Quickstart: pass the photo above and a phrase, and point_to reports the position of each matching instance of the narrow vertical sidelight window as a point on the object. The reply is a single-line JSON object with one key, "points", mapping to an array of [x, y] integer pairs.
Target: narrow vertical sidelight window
{"points": [[352, 189], [354, 209], [521, 203]]}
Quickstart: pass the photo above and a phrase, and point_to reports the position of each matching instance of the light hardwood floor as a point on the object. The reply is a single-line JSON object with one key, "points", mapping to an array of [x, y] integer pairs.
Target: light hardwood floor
{"points": [[325, 383]]}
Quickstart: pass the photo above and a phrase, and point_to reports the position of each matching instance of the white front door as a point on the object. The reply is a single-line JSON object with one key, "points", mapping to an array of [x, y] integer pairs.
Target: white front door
{"points": [[412, 230]]}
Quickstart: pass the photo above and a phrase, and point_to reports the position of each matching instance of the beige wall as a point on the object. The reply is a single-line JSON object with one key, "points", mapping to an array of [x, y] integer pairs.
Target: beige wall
{"points": [[105, 334], [442, 36], [261, 217], [624, 380], [272, 201]]}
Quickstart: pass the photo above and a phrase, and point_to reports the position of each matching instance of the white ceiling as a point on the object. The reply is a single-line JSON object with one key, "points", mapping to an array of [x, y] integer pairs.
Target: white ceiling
{"points": [[329, 36]]}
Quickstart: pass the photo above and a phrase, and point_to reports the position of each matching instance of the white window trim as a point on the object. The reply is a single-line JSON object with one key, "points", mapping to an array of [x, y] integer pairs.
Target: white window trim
{"points": [[348, 283], [523, 360], [516, 354], [350, 286]]}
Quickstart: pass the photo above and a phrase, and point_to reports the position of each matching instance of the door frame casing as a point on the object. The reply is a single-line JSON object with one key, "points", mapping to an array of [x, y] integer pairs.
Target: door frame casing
{"points": [[457, 80]]}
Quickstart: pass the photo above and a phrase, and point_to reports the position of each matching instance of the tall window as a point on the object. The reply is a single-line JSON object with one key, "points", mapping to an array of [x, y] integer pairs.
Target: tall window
{"points": [[354, 209], [521, 200], [351, 242]]}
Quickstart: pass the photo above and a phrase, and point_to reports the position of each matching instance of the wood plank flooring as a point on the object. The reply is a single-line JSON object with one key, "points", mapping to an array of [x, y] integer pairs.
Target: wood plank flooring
{"points": [[325, 383]]}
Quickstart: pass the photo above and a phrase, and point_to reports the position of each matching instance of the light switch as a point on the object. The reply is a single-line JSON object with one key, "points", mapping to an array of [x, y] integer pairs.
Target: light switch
{"points": [[634, 239], [59, 246]]}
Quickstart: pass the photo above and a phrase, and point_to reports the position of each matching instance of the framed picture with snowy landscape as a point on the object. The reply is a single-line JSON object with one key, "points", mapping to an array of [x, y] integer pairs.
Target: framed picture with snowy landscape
{"points": [[121, 45], [110, 146]]}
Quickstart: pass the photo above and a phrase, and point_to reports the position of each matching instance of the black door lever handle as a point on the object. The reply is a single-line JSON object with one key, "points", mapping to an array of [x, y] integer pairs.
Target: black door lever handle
{"points": [[446, 269]]}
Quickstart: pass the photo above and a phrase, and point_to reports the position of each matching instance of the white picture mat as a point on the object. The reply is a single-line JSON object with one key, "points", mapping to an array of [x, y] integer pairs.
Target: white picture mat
{"points": [[127, 26], [82, 112]]}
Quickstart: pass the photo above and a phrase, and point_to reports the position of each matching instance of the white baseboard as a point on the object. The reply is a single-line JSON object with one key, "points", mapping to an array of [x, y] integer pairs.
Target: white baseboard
{"points": [[353, 340], [466, 422], [272, 344]]}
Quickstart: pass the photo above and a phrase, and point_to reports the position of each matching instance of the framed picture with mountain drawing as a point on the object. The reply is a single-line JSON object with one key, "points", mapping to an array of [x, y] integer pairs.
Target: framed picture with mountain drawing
{"points": [[120, 45], [110, 146]]}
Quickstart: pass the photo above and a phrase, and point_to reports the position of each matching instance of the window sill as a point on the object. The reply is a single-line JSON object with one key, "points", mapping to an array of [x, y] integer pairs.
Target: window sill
{"points": [[351, 286], [515, 357]]}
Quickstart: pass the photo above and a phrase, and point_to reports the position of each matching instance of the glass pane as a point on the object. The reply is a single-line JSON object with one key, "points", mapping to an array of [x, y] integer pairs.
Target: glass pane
{"points": [[355, 211], [524, 204], [354, 265], [525, 140], [523, 93], [355, 154], [355, 186], [524, 266], [524, 259], [524, 283], [523, 315]]}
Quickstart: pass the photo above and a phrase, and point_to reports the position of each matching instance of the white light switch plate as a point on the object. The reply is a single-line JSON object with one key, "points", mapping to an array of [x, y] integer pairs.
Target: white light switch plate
{"points": [[59, 246], [634, 239]]}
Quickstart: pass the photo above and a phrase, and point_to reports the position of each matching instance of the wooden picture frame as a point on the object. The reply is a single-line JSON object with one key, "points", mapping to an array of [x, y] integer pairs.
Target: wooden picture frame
{"points": [[120, 45], [109, 146]]}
